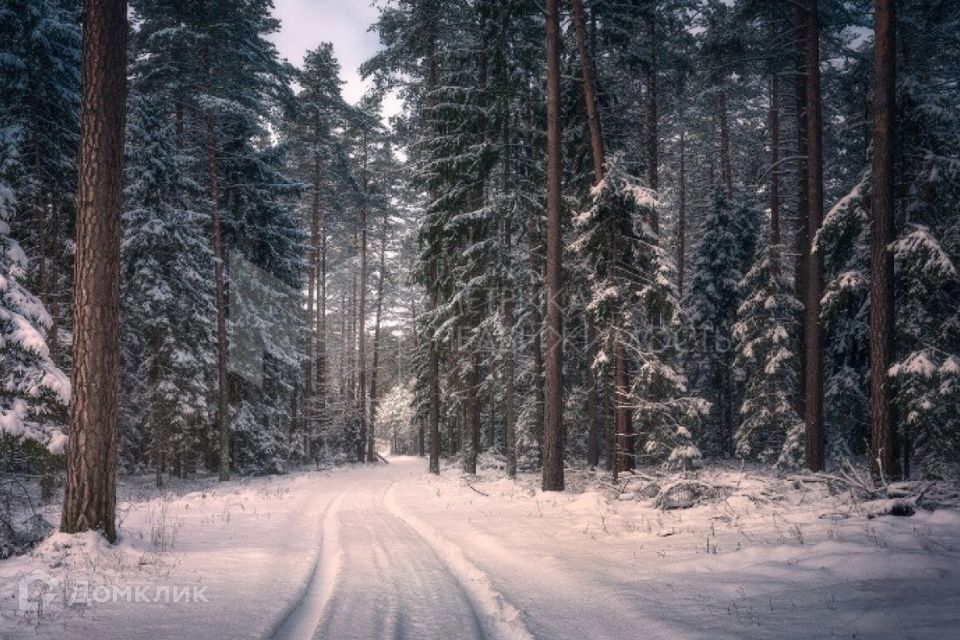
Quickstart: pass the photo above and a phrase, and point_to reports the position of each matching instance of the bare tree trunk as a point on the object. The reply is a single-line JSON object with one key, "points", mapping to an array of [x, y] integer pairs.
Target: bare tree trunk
{"points": [[812, 332], [624, 424], [312, 282], [376, 339], [775, 162], [90, 494], [321, 337], [682, 216], [362, 318], [589, 88], [553, 335], [509, 320], [884, 445], [433, 357], [536, 320], [802, 236], [653, 110], [593, 435]]}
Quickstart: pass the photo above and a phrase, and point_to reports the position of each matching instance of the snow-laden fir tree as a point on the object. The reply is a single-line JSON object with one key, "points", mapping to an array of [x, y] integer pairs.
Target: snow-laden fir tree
{"points": [[39, 134], [927, 375], [770, 429], [167, 356], [33, 391], [634, 301], [844, 242], [711, 303]]}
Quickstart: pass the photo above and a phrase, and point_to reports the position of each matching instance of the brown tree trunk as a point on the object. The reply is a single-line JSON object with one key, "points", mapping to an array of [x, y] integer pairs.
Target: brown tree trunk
{"points": [[812, 331], [682, 216], [884, 445], [623, 420], [802, 237], [653, 110], [312, 282], [362, 318], [433, 357], [321, 337], [589, 87], [376, 340], [775, 162], [471, 414], [509, 320], [553, 334], [90, 494], [593, 435]]}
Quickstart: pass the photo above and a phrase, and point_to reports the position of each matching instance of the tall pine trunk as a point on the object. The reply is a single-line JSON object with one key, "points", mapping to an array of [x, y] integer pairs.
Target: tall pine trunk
{"points": [[362, 317], [653, 109], [90, 494], [371, 453], [312, 290], [433, 355], [775, 161], [553, 334], [589, 89], [802, 236], [884, 445], [812, 331], [321, 338], [682, 215]]}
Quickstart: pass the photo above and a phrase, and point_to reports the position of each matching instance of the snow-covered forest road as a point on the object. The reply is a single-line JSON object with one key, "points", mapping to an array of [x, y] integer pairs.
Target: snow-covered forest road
{"points": [[388, 551]]}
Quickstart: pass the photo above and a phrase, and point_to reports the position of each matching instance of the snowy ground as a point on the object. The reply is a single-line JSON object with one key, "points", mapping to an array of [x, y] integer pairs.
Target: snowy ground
{"points": [[390, 552]]}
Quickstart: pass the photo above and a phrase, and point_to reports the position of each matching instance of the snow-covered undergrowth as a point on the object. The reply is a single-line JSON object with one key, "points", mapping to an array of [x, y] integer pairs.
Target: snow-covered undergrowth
{"points": [[760, 557], [198, 556], [757, 556]]}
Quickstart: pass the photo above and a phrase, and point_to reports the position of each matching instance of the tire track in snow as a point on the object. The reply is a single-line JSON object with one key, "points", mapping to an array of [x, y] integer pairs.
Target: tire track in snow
{"points": [[302, 620], [501, 619]]}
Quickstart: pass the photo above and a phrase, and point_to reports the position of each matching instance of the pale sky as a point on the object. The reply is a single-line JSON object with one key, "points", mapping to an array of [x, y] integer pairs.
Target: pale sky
{"points": [[304, 24]]}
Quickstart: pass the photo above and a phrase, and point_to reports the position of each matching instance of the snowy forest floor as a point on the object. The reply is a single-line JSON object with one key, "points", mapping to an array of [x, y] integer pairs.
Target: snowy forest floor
{"points": [[388, 551]]}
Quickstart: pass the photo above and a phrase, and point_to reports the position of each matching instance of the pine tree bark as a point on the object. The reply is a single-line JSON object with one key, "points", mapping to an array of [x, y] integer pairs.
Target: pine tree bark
{"points": [[775, 161], [624, 458], [90, 493], [509, 320], [374, 368], [682, 216], [801, 237], [589, 89], [812, 331], [433, 356], [362, 317], [653, 111], [553, 335], [312, 282], [884, 444], [593, 434], [321, 336]]}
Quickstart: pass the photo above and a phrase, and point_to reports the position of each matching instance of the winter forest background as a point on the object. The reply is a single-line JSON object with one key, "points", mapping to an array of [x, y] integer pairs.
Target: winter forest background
{"points": [[667, 254]]}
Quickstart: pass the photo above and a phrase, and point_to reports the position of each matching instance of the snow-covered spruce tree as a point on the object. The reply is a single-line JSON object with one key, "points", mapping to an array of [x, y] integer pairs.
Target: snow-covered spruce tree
{"points": [[712, 303], [844, 242], [927, 253], [927, 375], [766, 331], [167, 355], [633, 300], [39, 134], [33, 391]]}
